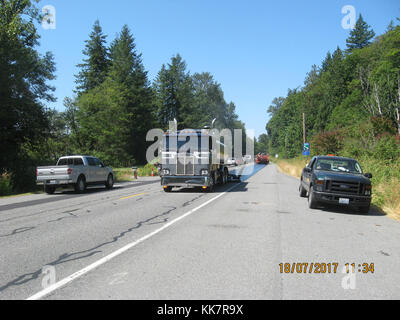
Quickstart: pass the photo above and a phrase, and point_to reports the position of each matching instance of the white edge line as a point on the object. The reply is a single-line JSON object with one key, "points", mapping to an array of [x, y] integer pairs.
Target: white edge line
{"points": [[78, 274]]}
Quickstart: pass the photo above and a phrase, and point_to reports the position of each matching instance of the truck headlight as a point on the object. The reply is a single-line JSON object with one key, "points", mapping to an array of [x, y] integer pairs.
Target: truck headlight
{"points": [[166, 172], [319, 185], [368, 190], [204, 172]]}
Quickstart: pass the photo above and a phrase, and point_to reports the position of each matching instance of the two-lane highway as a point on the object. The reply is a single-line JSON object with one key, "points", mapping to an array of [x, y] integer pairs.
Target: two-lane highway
{"points": [[137, 242]]}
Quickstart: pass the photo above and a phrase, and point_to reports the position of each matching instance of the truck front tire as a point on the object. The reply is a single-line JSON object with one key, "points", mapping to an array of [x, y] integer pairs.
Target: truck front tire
{"points": [[312, 203], [110, 182], [303, 192]]}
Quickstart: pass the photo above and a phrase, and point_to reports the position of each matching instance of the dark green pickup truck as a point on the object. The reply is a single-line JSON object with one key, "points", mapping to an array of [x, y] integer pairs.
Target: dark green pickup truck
{"points": [[336, 180]]}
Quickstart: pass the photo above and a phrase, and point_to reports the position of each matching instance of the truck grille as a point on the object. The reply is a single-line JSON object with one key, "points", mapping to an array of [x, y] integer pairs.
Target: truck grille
{"points": [[344, 187], [185, 166]]}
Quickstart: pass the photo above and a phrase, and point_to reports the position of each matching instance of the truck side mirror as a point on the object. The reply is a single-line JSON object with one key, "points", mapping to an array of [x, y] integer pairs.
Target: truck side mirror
{"points": [[368, 175], [307, 169]]}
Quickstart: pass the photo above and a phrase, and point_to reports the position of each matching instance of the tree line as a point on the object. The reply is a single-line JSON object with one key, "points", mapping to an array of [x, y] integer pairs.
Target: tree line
{"points": [[351, 101], [112, 108]]}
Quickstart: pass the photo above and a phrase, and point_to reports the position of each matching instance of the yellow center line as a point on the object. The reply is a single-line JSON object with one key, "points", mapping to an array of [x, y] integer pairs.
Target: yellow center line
{"points": [[135, 195]]}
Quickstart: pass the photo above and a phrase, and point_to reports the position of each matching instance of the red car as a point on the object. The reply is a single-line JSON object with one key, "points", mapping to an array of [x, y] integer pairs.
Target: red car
{"points": [[262, 158]]}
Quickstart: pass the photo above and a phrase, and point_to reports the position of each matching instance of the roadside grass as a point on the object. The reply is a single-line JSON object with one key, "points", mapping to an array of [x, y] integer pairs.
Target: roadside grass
{"points": [[123, 174], [126, 174], [6, 190], [385, 181]]}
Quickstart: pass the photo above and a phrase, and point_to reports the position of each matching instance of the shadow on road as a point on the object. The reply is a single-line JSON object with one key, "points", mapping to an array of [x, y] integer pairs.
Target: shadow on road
{"points": [[374, 211], [241, 187]]}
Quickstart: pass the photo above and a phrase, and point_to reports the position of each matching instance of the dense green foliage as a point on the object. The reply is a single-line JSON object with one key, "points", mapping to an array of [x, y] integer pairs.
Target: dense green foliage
{"points": [[351, 102], [114, 106], [24, 87]]}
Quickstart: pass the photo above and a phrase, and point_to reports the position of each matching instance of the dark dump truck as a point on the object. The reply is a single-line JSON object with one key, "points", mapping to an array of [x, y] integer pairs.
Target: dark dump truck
{"points": [[188, 160], [337, 181]]}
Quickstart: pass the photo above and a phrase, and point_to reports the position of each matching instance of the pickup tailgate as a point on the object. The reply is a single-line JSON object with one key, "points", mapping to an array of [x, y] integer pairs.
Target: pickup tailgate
{"points": [[55, 173]]}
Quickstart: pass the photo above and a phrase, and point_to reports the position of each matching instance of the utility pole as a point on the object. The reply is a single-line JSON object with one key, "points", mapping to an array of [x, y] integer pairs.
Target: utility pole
{"points": [[304, 128]]}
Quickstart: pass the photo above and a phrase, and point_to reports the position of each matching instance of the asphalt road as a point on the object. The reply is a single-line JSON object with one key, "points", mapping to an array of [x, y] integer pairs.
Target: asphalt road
{"points": [[137, 242]]}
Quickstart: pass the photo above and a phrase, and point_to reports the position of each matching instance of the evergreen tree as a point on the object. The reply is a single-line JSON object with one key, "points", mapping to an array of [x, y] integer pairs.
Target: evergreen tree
{"points": [[360, 36], [208, 102], [95, 67], [174, 93], [327, 62], [24, 76], [127, 69], [391, 26]]}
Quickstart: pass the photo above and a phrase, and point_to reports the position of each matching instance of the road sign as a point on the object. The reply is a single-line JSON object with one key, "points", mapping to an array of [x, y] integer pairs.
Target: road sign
{"points": [[306, 150]]}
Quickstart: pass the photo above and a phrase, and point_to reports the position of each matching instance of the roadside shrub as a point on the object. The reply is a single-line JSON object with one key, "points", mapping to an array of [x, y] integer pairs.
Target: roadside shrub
{"points": [[147, 169], [5, 185], [327, 143], [383, 125], [387, 148]]}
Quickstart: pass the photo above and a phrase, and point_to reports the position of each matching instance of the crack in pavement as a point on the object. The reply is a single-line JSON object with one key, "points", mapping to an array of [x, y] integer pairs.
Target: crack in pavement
{"points": [[67, 257], [70, 215], [17, 231]]}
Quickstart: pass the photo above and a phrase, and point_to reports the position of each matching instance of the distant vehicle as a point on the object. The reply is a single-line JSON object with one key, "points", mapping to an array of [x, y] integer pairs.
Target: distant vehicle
{"points": [[247, 159], [232, 162], [262, 158], [336, 180], [76, 171]]}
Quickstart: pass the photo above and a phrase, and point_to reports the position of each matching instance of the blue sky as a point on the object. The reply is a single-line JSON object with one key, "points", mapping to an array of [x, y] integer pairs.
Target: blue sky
{"points": [[255, 49]]}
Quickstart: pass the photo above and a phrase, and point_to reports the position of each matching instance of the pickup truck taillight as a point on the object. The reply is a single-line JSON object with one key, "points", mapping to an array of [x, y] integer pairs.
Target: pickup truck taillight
{"points": [[69, 171]]}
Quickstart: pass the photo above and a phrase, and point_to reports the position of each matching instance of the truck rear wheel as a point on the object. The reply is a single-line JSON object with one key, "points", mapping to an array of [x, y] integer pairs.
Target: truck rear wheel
{"points": [[80, 186], [49, 189]]}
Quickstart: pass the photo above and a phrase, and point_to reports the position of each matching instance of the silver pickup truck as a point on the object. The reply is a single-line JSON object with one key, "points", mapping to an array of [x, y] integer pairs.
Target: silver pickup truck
{"points": [[76, 171]]}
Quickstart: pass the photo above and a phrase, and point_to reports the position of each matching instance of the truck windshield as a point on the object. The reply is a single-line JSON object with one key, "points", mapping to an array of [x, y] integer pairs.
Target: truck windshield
{"points": [[335, 165], [189, 144]]}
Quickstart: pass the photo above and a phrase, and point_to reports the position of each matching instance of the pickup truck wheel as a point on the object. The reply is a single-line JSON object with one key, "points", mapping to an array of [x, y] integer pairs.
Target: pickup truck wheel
{"points": [[110, 182], [80, 186], [312, 203], [303, 192], [49, 189]]}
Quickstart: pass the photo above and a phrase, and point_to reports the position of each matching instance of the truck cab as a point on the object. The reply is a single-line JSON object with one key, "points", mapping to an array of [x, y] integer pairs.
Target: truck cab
{"points": [[188, 160]]}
